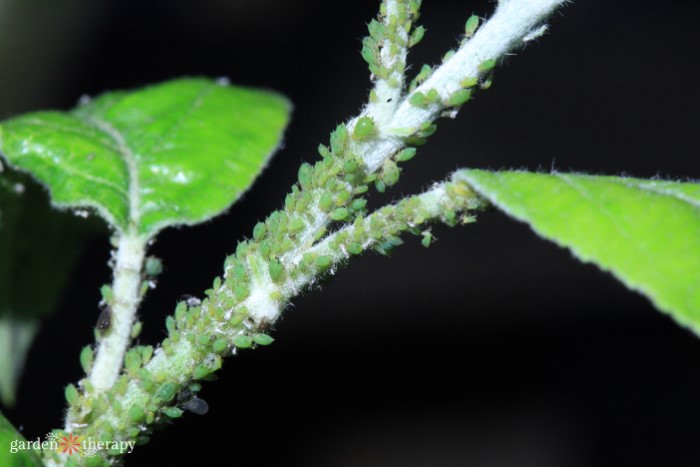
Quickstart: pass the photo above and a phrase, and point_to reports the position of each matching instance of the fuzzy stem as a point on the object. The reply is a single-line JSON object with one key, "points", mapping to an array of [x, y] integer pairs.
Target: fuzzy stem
{"points": [[393, 53], [127, 281], [178, 361], [513, 23]]}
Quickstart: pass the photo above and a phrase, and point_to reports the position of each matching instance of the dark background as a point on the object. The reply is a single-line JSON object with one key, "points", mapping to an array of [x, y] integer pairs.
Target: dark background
{"points": [[491, 348]]}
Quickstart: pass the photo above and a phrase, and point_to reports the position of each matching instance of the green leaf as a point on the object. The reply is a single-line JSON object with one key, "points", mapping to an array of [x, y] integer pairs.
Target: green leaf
{"points": [[645, 232], [9, 437], [38, 250], [179, 152]]}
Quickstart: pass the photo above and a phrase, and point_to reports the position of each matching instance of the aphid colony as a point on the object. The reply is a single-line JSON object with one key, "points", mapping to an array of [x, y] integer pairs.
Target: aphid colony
{"points": [[201, 333]]}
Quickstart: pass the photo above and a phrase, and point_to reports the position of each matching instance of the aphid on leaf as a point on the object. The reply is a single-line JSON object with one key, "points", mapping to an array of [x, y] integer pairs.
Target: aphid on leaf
{"points": [[104, 320]]}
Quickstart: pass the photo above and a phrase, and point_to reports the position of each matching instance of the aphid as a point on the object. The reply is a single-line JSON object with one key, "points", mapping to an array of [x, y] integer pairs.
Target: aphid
{"points": [[104, 320], [188, 401]]}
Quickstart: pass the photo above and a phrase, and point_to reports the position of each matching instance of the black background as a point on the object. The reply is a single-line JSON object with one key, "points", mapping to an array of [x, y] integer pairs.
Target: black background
{"points": [[492, 347]]}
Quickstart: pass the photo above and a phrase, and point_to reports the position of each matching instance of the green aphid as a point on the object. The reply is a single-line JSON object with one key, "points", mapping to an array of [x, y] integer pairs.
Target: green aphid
{"points": [[364, 129], [166, 392], [424, 73], [289, 202], [241, 292], [237, 318], [259, 231], [324, 151], [86, 358], [242, 249], [459, 98], [376, 29], [469, 82], [265, 249], [340, 214], [359, 204], [203, 339], [121, 385], [419, 100], [323, 262], [220, 345], [380, 186], [146, 353], [349, 166], [432, 96], [154, 266], [136, 414], [416, 140], [376, 70], [263, 339], [405, 154], [172, 412], [416, 36], [343, 197], [71, 393], [361, 189], [305, 176], [132, 361], [448, 55], [180, 310], [427, 129], [239, 271], [276, 270], [373, 96], [369, 54], [471, 26], [201, 371], [170, 324], [339, 139], [296, 225], [107, 294], [318, 235], [486, 65], [390, 173], [354, 248], [243, 341], [394, 240], [276, 295]]}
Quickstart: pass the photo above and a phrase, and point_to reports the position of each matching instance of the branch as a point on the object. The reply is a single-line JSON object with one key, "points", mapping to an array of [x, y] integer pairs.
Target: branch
{"points": [[292, 248], [514, 23]]}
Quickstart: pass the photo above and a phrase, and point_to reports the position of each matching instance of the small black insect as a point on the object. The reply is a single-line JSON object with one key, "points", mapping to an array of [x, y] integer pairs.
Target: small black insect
{"points": [[104, 321], [196, 405]]}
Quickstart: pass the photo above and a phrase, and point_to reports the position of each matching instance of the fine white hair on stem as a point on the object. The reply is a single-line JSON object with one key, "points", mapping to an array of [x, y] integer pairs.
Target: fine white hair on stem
{"points": [[513, 23]]}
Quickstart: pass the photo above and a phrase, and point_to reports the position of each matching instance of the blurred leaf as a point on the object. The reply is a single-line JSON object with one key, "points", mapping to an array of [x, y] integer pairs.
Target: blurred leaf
{"points": [[38, 250], [645, 232], [21, 458], [179, 152]]}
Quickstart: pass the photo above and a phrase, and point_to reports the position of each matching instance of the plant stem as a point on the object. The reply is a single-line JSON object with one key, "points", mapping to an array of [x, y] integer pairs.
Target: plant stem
{"points": [[514, 23], [126, 285]]}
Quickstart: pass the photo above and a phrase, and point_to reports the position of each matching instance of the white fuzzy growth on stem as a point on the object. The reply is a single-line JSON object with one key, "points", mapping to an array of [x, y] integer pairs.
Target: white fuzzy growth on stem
{"points": [[514, 22], [125, 288], [388, 94]]}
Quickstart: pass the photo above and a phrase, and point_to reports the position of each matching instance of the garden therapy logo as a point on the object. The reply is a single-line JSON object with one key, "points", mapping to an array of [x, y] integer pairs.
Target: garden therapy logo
{"points": [[71, 445]]}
